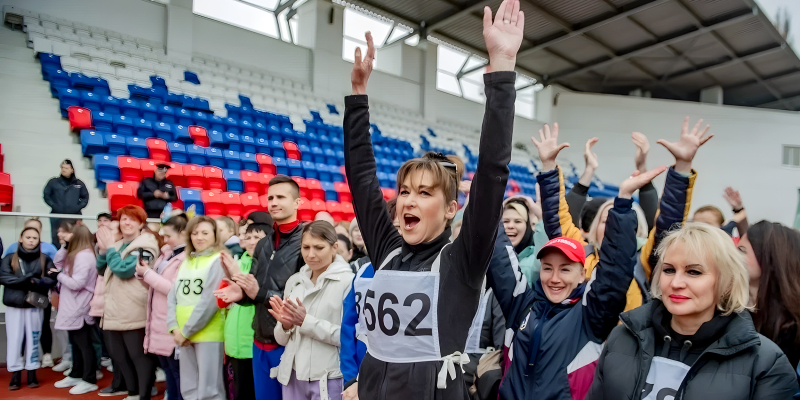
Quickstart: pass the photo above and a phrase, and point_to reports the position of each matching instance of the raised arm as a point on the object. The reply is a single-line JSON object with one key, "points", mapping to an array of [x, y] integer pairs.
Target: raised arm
{"points": [[576, 197], [676, 200], [648, 195], [380, 236], [734, 198], [507, 281], [606, 292]]}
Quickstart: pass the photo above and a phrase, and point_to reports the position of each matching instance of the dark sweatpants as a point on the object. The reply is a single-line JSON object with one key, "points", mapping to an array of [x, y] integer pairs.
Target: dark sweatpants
{"points": [[126, 349], [172, 370], [243, 385], [84, 360], [46, 339]]}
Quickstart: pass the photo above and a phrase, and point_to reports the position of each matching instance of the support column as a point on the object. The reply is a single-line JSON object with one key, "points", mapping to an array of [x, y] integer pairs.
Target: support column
{"points": [[180, 24], [711, 95]]}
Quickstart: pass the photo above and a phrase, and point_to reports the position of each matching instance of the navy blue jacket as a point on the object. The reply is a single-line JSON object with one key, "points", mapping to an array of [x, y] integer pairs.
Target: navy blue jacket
{"points": [[352, 350], [570, 335]]}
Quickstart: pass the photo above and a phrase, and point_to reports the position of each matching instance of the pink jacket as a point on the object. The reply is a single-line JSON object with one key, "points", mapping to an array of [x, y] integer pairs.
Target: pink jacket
{"points": [[157, 339], [77, 290], [96, 305]]}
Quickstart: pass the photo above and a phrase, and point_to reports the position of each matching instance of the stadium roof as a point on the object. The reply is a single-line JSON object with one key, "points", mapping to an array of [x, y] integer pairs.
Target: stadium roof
{"points": [[671, 48]]}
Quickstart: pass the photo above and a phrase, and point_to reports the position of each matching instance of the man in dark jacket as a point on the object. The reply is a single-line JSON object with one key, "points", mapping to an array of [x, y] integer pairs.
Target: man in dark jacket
{"points": [[65, 194], [157, 191], [277, 258]]}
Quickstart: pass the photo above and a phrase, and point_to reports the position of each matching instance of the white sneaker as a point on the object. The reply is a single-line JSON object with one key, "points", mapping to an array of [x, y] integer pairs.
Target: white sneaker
{"points": [[105, 362], [110, 368], [160, 375], [62, 366], [67, 382], [67, 372], [47, 361], [83, 387], [98, 374], [131, 398]]}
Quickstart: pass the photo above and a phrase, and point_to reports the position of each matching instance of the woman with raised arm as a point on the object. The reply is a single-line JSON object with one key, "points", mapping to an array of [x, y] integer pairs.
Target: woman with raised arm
{"points": [[556, 328], [419, 307]]}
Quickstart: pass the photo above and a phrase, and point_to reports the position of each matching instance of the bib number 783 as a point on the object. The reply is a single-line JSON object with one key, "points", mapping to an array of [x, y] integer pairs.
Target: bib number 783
{"points": [[385, 303]]}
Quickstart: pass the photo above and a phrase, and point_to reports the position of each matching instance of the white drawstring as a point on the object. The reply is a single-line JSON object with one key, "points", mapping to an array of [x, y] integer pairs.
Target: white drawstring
{"points": [[449, 367]]}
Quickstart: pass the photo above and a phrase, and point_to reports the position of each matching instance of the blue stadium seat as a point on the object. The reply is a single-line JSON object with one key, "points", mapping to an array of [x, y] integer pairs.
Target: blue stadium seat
{"points": [[149, 111], [215, 157], [91, 101], [234, 143], [163, 131], [116, 144], [232, 159], [67, 98], [246, 128], [249, 161], [59, 79], [323, 172], [273, 127], [180, 133], [317, 154], [130, 108], [280, 165], [201, 119], [177, 152], [110, 105], [106, 169], [184, 116], [233, 111], [217, 123], [330, 191], [336, 173], [92, 142], [50, 60], [174, 100], [196, 154], [137, 147], [310, 170], [123, 125], [192, 197], [248, 144], [217, 139], [277, 149], [234, 180], [143, 128], [232, 126], [304, 149], [261, 129], [295, 167], [166, 114], [102, 121], [262, 146]]}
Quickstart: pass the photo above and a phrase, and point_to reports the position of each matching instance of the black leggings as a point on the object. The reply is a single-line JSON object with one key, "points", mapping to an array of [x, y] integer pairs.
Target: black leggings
{"points": [[138, 369], [46, 339], [84, 360], [243, 382]]}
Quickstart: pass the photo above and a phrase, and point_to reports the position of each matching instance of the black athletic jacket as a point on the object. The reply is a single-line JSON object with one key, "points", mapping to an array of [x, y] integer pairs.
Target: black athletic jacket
{"points": [[152, 204], [66, 195], [17, 284], [463, 264]]}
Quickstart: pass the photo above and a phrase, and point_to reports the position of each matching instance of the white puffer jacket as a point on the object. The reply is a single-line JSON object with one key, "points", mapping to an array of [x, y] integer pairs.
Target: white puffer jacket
{"points": [[313, 348]]}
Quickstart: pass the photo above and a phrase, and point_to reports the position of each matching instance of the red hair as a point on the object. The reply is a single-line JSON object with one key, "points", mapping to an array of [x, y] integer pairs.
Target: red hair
{"points": [[134, 212]]}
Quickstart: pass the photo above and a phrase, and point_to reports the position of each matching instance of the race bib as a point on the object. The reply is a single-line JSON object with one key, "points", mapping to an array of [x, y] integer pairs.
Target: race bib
{"points": [[664, 379], [360, 286]]}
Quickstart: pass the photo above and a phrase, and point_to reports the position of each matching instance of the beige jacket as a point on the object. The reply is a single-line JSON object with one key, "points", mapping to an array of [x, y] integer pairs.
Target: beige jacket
{"points": [[125, 300], [313, 348]]}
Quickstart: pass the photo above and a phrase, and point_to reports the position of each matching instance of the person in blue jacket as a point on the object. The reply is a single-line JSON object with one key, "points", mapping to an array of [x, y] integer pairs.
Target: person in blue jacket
{"points": [[555, 329]]}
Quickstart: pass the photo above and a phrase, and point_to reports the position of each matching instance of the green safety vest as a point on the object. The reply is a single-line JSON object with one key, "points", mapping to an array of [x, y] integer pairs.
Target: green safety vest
{"points": [[191, 281], [239, 322]]}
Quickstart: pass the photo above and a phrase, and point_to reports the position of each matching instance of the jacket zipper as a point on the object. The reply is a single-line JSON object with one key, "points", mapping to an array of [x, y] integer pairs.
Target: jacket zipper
{"points": [[637, 390], [682, 388]]}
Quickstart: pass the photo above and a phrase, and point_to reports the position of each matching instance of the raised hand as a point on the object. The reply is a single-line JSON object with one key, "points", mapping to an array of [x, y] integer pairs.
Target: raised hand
{"points": [[733, 198], [589, 156], [503, 36], [362, 68], [685, 149], [105, 239], [278, 311], [637, 180], [248, 283], [642, 148], [548, 146], [228, 264]]}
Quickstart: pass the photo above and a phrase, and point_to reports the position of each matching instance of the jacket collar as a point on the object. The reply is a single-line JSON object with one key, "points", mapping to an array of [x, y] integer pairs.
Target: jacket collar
{"points": [[338, 269], [739, 334]]}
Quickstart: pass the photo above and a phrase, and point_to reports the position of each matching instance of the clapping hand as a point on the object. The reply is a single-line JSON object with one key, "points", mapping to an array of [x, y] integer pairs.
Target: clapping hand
{"points": [[229, 265], [637, 180], [105, 239], [548, 146], [685, 149], [280, 313], [247, 282], [503, 36], [642, 148], [296, 311], [230, 294], [362, 68]]}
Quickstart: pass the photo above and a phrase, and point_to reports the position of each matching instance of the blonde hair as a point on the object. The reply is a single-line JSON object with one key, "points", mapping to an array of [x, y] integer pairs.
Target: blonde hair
{"points": [[641, 223], [192, 225], [710, 243]]}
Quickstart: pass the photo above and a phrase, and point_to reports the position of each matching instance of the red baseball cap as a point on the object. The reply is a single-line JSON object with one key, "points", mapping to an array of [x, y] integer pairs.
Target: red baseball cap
{"points": [[571, 248]]}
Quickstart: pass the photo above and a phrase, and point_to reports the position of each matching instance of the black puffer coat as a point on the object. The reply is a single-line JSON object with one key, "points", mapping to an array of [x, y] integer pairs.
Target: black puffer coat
{"points": [[27, 278], [739, 364]]}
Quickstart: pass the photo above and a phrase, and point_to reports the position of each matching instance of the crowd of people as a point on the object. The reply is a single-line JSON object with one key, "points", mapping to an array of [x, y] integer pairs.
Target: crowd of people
{"points": [[559, 297]]}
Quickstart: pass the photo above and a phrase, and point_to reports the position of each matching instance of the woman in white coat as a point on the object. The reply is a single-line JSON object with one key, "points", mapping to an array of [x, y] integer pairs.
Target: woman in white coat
{"points": [[310, 317]]}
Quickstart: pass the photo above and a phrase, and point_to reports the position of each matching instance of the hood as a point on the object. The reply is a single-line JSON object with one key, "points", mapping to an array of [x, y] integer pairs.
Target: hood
{"points": [[232, 241], [337, 268]]}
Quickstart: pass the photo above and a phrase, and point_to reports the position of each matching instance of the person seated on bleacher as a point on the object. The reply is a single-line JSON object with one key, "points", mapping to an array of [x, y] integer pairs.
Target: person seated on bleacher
{"points": [[157, 191]]}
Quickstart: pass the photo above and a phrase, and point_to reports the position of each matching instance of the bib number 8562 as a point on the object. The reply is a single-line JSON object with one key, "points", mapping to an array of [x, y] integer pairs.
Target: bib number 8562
{"points": [[385, 310]]}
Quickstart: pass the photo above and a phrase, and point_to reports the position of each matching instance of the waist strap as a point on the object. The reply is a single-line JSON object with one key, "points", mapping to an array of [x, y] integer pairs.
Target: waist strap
{"points": [[449, 367]]}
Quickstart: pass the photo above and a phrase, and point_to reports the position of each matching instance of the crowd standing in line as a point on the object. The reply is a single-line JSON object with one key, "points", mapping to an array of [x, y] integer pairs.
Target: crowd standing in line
{"points": [[563, 296]]}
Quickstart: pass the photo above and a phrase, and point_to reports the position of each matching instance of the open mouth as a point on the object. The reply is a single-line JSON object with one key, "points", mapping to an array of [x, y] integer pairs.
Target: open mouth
{"points": [[410, 221], [556, 290], [511, 234]]}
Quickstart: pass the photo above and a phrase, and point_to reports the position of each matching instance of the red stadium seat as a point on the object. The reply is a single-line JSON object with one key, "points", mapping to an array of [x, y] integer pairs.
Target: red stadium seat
{"points": [[175, 174], [6, 192], [212, 201], [120, 195], [250, 203], [177, 204], [79, 118], [388, 193], [343, 191], [265, 178], [253, 181], [301, 182], [233, 204], [214, 179], [130, 169], [347, 211], [318, 205], [305, 212], [264, 199], [265, 163], [335, 210], [292, 151], [194, 176], [158, 149], [199, 135], [315, 191]]}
